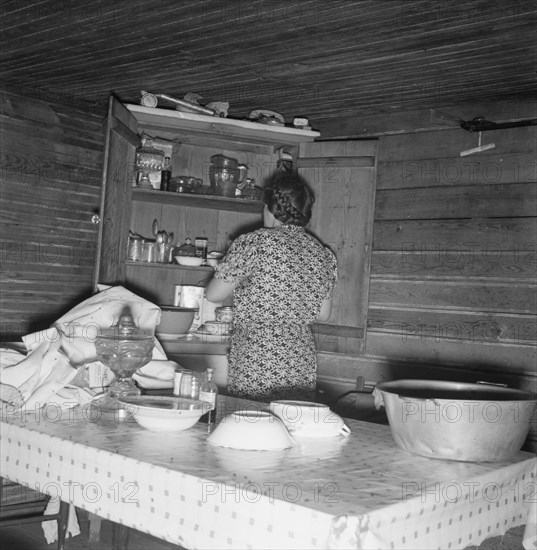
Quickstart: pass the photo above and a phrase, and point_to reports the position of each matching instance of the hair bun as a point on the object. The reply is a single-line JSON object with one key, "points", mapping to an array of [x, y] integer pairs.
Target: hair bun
{"points": [[289, 198]]}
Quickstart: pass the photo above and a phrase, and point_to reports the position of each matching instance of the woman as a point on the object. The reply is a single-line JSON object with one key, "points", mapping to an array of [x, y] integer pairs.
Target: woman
{"points": [[281, 279]]}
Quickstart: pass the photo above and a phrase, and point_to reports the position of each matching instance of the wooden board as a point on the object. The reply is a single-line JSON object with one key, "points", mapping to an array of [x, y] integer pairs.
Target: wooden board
{"points": [[460, 295], [244, 130], [342, 175], [471, 201], [115, 207]]}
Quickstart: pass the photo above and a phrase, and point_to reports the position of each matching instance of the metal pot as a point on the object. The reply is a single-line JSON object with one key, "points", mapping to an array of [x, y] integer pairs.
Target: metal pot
{"points": [[456, 420], [220, 161]]}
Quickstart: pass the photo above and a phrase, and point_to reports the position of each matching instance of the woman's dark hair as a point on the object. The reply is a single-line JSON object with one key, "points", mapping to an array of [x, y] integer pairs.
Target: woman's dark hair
{"points": [[289, 198]]}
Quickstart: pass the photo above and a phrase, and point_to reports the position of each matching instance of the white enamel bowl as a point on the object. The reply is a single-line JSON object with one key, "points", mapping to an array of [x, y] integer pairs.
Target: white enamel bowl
{"points": [[192, 261], [175, 320], [251, 431], [214, 258], [164, 414], [308, 419]]}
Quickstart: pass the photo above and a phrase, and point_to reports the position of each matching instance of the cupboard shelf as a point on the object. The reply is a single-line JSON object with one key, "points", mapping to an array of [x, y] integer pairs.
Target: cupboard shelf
{"points": [[203, 127], [197, 201], [169, 266]]}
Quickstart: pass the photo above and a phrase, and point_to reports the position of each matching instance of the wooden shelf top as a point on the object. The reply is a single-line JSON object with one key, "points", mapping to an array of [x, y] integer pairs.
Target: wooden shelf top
{"points": [[169, 266], [197, 201], [245, 130]]}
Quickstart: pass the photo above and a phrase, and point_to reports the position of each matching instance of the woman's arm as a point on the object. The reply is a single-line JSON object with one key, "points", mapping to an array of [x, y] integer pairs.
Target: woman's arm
{"points": [[326, 309], [217, 290]]}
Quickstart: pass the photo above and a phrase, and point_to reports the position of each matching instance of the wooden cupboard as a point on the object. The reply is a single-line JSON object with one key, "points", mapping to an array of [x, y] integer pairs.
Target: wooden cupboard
{"points": [[341, 173]]}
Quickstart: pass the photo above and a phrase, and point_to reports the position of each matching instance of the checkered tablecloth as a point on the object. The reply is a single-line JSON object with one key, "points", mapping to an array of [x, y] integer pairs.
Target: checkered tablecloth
{"points": [[355, 492]]}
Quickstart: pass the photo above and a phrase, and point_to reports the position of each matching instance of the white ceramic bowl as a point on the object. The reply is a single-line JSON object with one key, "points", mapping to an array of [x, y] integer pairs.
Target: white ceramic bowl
{"points": [[164, 414], [175, 320], [192, 261], [214, 258], [251, 431], [309, 419]]}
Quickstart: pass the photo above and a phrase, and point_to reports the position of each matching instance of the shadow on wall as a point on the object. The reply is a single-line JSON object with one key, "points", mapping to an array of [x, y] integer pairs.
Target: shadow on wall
{"points": [[12, 331]]}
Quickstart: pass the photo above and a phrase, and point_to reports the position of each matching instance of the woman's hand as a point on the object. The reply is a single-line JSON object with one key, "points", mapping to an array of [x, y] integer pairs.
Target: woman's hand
{"points": [[217, 290], [326, 309]]}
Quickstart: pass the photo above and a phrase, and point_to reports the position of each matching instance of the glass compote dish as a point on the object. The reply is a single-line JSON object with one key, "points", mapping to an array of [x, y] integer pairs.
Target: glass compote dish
{"points": [[124, 348], [148, 159]]}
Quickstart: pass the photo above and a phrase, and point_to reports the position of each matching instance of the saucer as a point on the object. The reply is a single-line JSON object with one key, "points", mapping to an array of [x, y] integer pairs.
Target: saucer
{"points": [[169, 336]]}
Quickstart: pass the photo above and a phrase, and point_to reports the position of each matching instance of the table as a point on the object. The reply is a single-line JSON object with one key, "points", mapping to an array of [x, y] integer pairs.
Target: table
{"points": [[355, 492]]}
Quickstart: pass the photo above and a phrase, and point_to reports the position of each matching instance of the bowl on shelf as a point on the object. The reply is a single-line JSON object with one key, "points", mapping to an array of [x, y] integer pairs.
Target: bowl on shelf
{"points": [[164, 414], [251, 431], [214, 258], [175, 320], [192, 261]]}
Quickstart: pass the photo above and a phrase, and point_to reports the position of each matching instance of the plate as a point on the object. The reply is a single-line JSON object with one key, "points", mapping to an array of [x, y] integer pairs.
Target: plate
{"points": [[169, 336], [320, 433], [211, 337], [265, 116]]}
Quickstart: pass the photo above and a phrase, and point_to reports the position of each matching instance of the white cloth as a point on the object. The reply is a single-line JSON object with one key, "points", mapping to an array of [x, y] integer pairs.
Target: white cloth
{"points": [[39, 375], [47, 374], [50, 528], [157, 374]]}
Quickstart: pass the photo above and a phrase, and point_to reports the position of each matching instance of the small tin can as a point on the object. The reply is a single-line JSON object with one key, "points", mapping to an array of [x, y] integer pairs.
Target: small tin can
{"points": [[135, 250], [224, 314]]}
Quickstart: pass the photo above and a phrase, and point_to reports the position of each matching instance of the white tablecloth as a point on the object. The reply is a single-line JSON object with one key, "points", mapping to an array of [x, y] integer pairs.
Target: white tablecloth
{"points": [[355, 492]]}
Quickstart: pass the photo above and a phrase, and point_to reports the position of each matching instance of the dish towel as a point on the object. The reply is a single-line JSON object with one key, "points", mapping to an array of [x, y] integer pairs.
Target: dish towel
{"points": [[50, 373], [50, 528]]}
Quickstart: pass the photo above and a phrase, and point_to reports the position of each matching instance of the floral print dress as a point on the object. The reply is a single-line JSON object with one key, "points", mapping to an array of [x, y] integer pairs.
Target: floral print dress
{"points": [[281, 277]]}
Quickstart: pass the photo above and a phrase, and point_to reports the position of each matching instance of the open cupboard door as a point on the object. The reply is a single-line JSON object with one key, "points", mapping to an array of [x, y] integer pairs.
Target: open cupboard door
{"points": [[121, 141], [343, 177]]}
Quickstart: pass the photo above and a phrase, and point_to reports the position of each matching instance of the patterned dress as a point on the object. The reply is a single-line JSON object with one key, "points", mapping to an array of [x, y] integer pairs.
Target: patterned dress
{"points": [[281, 276]]}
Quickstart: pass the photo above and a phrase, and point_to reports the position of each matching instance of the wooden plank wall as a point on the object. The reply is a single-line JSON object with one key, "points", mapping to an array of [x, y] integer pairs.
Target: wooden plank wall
{"points": [[453, 267], [453, 288], [50, 186]]}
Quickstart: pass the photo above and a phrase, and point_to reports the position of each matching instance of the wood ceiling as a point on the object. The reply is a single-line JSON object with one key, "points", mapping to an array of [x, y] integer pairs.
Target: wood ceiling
{"points": [[315, 58]]}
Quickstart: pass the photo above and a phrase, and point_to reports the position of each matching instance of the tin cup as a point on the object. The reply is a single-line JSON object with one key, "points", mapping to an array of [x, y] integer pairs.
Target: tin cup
{"points": [[149, 252]]}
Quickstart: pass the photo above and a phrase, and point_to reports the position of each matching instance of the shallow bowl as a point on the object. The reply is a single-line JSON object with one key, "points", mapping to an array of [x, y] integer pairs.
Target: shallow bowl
{"points": [[175, 320], [214, 258], [251, 431], [165, 414], [192, 261]]}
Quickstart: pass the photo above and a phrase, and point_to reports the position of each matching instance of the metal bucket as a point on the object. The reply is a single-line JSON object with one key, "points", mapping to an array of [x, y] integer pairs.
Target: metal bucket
{"points": [[457, 420]]}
